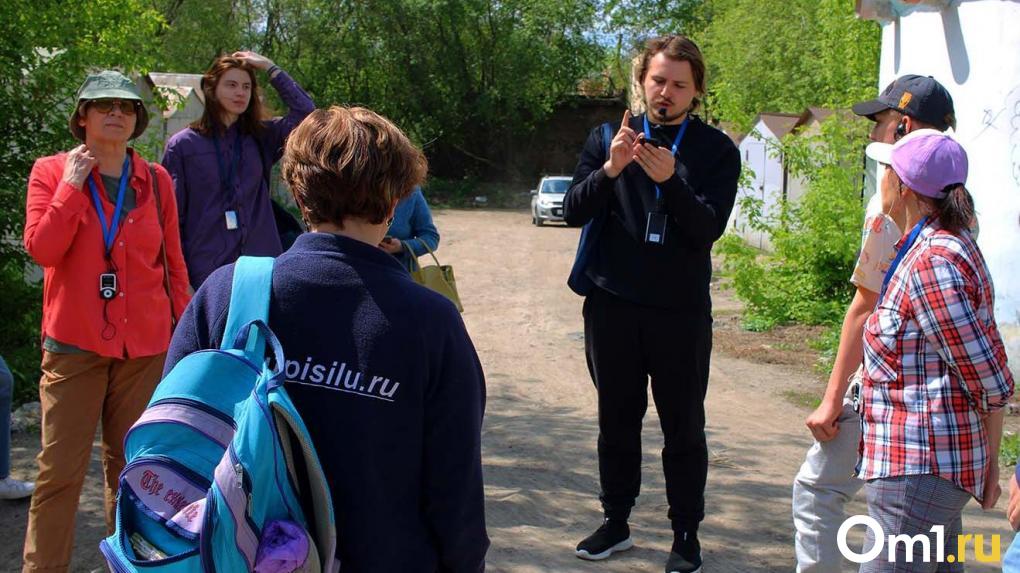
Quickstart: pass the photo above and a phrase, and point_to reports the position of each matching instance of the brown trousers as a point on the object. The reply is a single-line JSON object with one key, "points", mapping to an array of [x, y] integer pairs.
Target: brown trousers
{"points": [[76, 392]]}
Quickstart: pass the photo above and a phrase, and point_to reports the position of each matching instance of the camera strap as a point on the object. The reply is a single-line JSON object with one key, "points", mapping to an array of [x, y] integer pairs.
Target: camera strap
{"points": [[676, 145], [109, 233]]}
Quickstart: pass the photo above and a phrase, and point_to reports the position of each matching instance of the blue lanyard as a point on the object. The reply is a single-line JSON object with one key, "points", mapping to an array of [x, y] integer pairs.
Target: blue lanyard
{"points": [[676, 144], [899, 255], [227, 177], [109, 233]]}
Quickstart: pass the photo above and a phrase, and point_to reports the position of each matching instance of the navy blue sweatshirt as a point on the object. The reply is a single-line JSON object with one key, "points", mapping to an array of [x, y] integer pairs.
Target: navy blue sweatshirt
{"points": [[698, 199], [388, 382]]}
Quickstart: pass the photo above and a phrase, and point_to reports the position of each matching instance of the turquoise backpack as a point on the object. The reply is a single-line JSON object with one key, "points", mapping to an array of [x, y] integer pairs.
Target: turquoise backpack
{"points": [[219, 462]]}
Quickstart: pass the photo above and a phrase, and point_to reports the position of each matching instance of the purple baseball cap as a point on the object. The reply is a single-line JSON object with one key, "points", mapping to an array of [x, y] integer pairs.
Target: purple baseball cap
{"points": [[927, 161]]}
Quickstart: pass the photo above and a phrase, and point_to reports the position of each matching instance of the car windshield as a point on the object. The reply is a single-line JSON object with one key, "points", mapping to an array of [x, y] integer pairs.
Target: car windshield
{"points": [[555, 186]]}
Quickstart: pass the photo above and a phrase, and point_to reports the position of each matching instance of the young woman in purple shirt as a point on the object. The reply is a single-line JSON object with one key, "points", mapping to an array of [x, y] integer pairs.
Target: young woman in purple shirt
{"points": [[220, 164]]}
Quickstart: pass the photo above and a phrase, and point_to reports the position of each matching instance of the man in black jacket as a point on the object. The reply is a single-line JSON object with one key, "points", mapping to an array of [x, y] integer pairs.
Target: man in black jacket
{"points": [[656, 203]]}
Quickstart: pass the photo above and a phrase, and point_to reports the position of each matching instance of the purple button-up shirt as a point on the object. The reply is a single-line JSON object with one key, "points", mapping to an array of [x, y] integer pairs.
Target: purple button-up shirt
{"points": [[201, 201]]}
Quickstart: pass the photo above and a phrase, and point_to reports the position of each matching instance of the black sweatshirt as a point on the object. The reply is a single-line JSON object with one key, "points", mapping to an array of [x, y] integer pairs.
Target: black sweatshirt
{"points": [[698, 199], [392, 392]]}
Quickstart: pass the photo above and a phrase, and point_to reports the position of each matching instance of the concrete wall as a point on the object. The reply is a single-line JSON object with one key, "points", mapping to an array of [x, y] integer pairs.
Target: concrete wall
{"points": [[973, 48]]}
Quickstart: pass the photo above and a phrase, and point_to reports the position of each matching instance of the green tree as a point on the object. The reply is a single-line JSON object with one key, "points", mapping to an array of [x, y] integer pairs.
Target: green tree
{"points": [[786, 55], [193, 32], [457, 75]]}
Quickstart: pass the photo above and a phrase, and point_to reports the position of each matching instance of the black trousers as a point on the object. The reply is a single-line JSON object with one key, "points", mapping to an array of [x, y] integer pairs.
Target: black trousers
{"points": [[625, 344]]}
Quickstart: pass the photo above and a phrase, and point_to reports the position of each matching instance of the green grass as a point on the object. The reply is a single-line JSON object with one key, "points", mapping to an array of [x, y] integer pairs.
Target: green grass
{"points": [[1009, 452], [802, 399]]}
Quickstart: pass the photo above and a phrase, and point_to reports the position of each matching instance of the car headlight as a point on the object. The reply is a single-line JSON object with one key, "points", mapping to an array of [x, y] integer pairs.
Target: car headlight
{"points": [[545, 202]]}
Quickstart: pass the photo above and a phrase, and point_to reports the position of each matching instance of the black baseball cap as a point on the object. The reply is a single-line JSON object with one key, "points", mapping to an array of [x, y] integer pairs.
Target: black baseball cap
{"points": [[919, 97]]}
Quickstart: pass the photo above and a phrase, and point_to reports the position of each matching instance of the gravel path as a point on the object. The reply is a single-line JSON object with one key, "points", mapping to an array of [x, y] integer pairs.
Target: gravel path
{"points": [[540, 430]]}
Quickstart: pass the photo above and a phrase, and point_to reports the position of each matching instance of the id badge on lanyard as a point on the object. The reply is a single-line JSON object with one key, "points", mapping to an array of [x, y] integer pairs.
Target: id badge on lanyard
{"points": [[655, 229], [108, 280]]}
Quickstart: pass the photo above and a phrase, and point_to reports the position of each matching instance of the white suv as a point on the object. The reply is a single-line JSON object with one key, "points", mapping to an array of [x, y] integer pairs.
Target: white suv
{"points": [[547, 199]]}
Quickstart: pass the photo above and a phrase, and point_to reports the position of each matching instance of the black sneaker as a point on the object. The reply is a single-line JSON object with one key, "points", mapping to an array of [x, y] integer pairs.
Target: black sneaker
{"points": [[612, 536], [685, 556]]}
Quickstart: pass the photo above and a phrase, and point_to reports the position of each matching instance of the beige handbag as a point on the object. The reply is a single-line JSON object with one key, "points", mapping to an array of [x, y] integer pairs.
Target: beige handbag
{"points": [[436, 277]]}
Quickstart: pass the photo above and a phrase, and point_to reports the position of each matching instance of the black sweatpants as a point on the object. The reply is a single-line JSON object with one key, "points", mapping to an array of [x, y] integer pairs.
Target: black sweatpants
{"points": [[625, 344]]}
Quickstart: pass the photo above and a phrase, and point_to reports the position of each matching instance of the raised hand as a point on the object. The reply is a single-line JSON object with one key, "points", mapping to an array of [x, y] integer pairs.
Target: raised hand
{"points": [[78, 165], [254, 60], [621, 151]]}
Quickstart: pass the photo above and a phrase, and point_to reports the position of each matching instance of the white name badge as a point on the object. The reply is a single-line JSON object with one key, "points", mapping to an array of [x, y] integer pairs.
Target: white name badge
{"points": [[231, 218], [655, 232]]}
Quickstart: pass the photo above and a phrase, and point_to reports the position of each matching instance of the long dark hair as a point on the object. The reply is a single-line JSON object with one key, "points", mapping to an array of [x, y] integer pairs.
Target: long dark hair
{"points": [[955, 211], [249, 122]]}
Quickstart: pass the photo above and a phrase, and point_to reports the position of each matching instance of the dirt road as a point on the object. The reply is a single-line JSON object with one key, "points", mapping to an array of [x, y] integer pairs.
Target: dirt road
{"points": [[540, 431]]}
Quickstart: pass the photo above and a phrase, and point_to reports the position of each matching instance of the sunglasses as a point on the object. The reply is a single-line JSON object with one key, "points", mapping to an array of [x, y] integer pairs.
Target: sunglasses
{"points": [[127, 107]]}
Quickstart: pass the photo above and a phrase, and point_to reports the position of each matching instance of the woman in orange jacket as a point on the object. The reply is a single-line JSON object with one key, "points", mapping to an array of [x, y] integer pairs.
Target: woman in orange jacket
{"points": [[102, 222]]}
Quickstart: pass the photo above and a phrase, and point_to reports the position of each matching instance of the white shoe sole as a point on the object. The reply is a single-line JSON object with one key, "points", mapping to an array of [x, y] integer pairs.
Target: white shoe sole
{"points": [[621, 546]]}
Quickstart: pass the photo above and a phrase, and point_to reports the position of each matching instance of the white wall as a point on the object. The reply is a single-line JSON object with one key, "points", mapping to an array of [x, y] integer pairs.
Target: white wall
{"points": [[758, 153], [974, 50]]}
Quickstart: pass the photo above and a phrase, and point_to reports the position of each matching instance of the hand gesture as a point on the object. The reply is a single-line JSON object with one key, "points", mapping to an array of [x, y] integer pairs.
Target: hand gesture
{"points": [[254, 60], [658, 162], [992, 488], [621, 151], [78, 165], [823, 421]]}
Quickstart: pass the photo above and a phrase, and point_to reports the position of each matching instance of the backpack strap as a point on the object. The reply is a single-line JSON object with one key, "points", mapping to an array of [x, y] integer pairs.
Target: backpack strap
{"points": [[578, 281], [607, 138], [162, 245], [249, 300]]}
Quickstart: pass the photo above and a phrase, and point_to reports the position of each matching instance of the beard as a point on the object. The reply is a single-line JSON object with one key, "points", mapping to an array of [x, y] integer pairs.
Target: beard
{"points": [[661, 114]]}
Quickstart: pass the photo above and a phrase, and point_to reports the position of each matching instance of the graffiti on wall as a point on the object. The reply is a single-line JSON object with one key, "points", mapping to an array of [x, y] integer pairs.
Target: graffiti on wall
{"points": [[1006, 120], [1013, 108]]}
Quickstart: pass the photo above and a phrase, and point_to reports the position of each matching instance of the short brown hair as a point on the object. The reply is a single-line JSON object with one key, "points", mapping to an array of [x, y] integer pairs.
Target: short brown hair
{"points": [[681, 49], [250, 122], [343, 163]]}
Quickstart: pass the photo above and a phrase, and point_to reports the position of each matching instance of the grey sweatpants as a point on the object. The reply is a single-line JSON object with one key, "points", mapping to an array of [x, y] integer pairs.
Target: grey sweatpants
{"points": [[823, 486]]}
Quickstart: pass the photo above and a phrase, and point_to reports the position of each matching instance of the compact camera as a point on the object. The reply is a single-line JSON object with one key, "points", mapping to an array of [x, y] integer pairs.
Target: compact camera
{"points": [[107, 286]]}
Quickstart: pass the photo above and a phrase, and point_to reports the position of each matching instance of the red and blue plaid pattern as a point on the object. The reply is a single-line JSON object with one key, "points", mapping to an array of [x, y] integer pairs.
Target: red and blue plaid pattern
{"points": [[934, 364]]}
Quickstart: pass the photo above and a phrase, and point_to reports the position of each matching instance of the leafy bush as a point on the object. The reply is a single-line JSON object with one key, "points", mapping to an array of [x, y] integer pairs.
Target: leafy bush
{"points": [[1009, 451], [815, 239]]}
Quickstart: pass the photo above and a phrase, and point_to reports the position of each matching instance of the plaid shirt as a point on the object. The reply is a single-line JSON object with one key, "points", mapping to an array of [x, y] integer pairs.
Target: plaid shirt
{"points": [[934, 363]]}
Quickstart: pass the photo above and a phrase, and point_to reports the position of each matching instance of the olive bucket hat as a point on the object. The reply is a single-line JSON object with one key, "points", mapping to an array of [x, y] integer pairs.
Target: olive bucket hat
{"points": [[108, 84]]}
